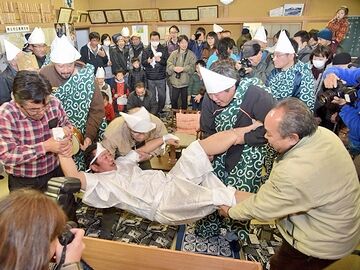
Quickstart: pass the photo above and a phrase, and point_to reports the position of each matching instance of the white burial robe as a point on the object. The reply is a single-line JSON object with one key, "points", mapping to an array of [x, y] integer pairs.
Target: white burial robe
{"points": [[187, 193]]}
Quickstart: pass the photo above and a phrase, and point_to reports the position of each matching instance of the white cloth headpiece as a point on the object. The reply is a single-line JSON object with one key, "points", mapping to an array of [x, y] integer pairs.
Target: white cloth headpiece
{"points": [[125, 32], [63, 52], [215, 82], [11, 50], [260, 34], [100, 72], [284, 45], [217, 28], [139, 121], [99, 150], [37, 36]]}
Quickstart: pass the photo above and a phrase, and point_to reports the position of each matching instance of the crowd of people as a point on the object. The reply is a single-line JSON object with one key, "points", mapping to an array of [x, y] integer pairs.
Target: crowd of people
{"points": [[270, 116]]}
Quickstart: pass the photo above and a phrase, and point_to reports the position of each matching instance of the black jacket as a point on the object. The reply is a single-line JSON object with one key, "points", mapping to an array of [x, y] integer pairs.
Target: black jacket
{"points": [[158, 72], [6, 83], [119, 59], [89, 58], [135, 76], [149, 102]]}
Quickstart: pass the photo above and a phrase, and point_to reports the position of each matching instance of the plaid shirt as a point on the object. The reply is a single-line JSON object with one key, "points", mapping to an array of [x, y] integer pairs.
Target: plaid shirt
{"points": [[21, 139]]}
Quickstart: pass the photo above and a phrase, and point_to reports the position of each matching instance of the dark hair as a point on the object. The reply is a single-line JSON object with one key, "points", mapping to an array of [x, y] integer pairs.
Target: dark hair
{"points": [[201, 29], [31, 86], [183, 37], [104, 95], [277, 35], [139, 85], [213, 35], [304, 35], [226, 31], [154, 33], [103, 37], [313, 34], [93, 35], [226, 69], [175, 27], [297, 118], [89, 154], [321, 50], [200, 62], [294, 44], [134, 59], [25, 236], [224, 45], [119, 71]]}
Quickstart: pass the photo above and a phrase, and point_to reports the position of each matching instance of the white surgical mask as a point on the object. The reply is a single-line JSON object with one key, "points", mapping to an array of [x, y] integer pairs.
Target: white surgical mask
{"points": [[319, 64], [155, 43], [107, 43]]}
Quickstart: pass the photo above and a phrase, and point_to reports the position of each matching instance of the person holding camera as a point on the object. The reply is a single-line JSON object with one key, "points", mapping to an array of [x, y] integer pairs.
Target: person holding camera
{"points": [[29, 238], [346, 98], [180, 66], [197, 42], [93, 53]]}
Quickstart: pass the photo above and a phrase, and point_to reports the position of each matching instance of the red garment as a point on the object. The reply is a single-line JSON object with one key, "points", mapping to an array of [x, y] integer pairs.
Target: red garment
{"points": [[109, 112], [338, 28], [120, 89]]}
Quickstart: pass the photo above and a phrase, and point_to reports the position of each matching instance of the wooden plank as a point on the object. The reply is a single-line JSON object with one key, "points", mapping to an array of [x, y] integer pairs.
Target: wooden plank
{"points": [[104, 255]]}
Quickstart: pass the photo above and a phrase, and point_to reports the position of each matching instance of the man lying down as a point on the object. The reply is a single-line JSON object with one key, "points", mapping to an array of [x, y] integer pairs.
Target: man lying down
{"points": [[187, 193]]}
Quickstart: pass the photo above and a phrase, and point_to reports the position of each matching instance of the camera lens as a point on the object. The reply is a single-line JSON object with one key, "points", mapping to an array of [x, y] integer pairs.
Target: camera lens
{"points": [[326, 97]]}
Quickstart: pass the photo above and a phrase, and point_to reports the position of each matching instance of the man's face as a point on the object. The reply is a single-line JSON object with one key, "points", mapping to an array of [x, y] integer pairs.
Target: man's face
{"points": [[136, 64], [104, 163], [135, 41], [299, 42], [65, 70], [38, 49], [272, 134], [121, 42], [94, 42], [255, 59], [324, 42], [173, 33], [312, 42], [35, 111], [140, 91], [100, 81], [154, 38], [139, 136], [183, 44], [223, 98], [283, 60]]}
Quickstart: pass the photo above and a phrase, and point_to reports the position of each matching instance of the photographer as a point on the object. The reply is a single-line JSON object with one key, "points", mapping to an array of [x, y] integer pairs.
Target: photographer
{"points": [[197, 42], [180, 66], [29, 238], [259, 67], [349, 112]]}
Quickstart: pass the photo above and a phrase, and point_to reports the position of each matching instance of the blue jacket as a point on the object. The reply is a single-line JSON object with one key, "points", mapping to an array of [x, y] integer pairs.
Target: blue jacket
{"points": [[350, 113], [196, 48]]}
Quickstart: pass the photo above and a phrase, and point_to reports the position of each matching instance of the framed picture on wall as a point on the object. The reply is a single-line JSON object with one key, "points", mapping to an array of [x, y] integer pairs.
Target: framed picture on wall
{"points": [[293, 9], [169, 15], [83, 17], [150, 15], [97, 16], [131, 15], [113, 16], [208, 12], [64, 15], [189, 14]]}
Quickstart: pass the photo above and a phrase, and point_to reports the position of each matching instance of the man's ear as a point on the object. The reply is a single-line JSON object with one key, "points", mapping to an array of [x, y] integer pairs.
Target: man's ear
{"points": [[94, 167], [294, 138]]}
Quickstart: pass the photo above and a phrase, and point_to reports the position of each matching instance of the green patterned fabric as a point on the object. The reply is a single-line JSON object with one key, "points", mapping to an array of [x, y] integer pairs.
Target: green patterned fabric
{"points": [[75, 96], [245, 176]]}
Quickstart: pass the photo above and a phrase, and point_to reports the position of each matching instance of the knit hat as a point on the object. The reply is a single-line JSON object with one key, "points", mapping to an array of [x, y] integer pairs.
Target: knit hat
{"points": [[139, 121], [11, 50], [260, 34], [37, 36], [284, 45], [342, 59], [215, 82], [251, 48], [63, 52], [136, 34], [217, 28], [325, 34]]}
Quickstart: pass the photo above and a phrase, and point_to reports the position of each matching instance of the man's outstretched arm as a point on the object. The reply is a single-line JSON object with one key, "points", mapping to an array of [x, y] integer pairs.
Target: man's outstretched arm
{"points": [[70, 170]]}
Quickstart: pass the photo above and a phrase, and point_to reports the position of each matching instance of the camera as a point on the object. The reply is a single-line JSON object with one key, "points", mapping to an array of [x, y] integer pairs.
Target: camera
{"points": [[197, 35], [341, 91], [67, 236], [177, 75], [245, 63]]}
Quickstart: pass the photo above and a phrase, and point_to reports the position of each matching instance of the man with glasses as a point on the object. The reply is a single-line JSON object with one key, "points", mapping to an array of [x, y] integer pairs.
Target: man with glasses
{"points": [[27, 146], [134, 130], [290, 78], [172, 44]]}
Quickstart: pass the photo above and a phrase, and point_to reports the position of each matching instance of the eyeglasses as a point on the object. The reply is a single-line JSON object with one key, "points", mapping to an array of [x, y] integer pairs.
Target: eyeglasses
{"points": [[278, 55], [173, 32], [33, 111], [40, 46]]}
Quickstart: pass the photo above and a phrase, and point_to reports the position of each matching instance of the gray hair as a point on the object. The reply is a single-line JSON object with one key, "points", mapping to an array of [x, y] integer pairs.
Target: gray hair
{"points": [[297, 118], [225, 68]]}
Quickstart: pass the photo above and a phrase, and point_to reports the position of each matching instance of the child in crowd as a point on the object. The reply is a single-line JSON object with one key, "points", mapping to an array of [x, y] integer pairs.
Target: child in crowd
{"points": [[109, 109], [196, 87], [120, 92], [137, 74], [100, 80]]}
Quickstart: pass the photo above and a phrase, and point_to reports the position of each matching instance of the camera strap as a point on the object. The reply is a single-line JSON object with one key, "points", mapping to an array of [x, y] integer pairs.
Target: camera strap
{"points": [[62, 258]]}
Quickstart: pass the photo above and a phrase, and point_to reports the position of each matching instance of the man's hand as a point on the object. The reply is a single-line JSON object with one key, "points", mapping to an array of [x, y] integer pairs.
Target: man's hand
{"points": [[240, 132], [223, 210], [86, 144], [331, 80], [171, 139], [178, 69], [54, 146], [74, 249], [157, 58], [143, 155], [149, 60], [338, 101], [198, 98], [242, 195]]}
